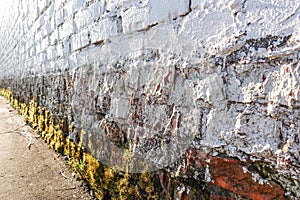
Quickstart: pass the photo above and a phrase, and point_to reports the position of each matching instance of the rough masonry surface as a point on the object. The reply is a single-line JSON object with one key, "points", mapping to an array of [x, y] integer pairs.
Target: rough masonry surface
{"points": [[189, 87]]}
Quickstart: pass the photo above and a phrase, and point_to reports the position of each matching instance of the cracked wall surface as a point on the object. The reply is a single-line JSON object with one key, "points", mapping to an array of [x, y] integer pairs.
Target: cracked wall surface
{"points": [[204, 94]]}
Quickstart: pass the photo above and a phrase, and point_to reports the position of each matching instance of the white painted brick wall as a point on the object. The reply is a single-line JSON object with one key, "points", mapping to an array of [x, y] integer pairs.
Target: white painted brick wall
{"points": [[44, 44], [83, 18], [98, 9], [77, 4], [65, 33], [137, 18], [66, 46], [58, 4], [75, 41], [59, 49], [42, 5], [103, 29], [68, 9], [51, 52], [41, 20], [59, 17], [84, 37], [68, 28], [54, 37], [47, 29]]}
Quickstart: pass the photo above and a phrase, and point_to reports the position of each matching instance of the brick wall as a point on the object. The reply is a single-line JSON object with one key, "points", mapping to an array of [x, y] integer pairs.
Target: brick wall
{"points": [[171, 82]]}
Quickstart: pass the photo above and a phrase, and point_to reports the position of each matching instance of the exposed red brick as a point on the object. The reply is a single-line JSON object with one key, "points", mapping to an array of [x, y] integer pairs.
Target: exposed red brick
{"points": [[229, 175]]}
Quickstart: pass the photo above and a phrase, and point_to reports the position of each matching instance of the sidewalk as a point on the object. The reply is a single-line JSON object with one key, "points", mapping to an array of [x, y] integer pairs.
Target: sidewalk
{"points": [[28, 168]]}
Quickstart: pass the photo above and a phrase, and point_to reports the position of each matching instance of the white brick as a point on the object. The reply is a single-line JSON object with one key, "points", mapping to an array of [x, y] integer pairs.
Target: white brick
{"points": [[29, 62], [98, 9], [120, 108], [41, 20], [47, 28], [50, 11], [51, 66], [25, 7], [60, 33], [80, 40], [58, 4], [197, 4], [59, 49], [76, 4], [52, 22], [68, 9], [44, 44], [33, 10], [42, 57], [84, 37], [103, 30], [93, 54], [54, 37], [35, 60], [112, 4], [66, 46], [82, 57], [137, 18], [67, 28], [35, 25], [43, 33], [72, 59], [75, 41], [25, 56], [32, 51], [51, 53], [59, 17], [83, 18], [42, 5], [38, 47], [162, 10]]}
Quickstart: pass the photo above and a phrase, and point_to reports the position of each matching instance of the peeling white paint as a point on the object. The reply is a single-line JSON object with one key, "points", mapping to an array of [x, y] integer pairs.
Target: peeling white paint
{"points": [[228, 70]]}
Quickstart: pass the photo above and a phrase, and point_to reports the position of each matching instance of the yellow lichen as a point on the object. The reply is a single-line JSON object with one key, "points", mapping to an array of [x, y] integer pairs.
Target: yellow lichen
{"points": [[104, 180]]}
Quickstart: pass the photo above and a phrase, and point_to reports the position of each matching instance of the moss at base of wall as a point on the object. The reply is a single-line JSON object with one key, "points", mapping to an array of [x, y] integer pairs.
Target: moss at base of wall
{"points": [[185, 179], [106, 182]]}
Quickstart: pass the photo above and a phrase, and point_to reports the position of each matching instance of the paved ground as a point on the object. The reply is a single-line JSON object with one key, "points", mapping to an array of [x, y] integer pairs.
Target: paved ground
{"points": [[35, 173]]}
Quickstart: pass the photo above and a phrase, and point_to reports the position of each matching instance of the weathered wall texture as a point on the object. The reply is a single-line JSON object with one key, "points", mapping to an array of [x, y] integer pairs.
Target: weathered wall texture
{"points": [[206, 91]]}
